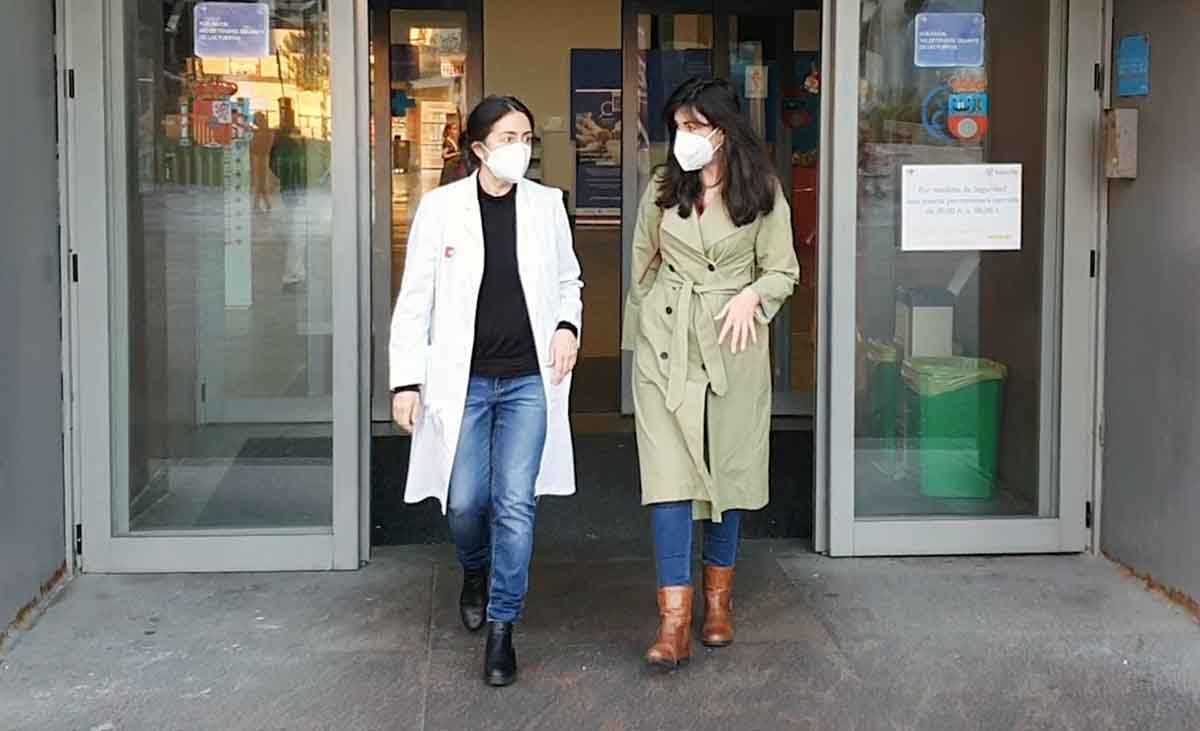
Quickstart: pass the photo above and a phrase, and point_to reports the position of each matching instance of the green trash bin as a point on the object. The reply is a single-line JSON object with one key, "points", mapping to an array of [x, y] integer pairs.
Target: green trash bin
{"points": [[955, 409], [883, 392]]}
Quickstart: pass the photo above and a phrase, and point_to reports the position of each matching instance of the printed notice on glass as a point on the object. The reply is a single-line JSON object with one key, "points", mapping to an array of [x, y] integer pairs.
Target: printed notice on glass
{"points": [[949, 40], [960, 208], [756, 81], [232, 30]]}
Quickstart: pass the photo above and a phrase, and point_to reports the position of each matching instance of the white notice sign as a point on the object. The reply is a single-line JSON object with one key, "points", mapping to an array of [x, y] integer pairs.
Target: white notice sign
{"points": [[960, 208], [756, 81]]}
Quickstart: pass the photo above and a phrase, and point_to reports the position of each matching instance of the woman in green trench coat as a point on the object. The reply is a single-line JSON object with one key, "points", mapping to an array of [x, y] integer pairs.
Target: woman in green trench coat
{"points": [[712, 263]]}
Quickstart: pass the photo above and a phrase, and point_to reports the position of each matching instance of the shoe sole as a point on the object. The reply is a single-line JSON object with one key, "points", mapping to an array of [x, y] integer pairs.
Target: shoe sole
{"points": [[482, 618], [716, 643], [667, 665], [468, 625], [500, 682]]}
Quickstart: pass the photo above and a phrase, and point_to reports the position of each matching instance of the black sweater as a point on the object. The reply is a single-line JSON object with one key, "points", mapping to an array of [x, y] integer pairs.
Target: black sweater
{"points": [[504, 345]]}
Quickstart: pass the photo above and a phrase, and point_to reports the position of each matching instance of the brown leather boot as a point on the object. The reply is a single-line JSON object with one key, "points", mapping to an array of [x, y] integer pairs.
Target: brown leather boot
{"points": [[718, 606], [674, 645]]}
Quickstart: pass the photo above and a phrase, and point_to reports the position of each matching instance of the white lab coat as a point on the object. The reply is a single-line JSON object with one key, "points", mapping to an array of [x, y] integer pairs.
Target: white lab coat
{"points": [[433, 326]]}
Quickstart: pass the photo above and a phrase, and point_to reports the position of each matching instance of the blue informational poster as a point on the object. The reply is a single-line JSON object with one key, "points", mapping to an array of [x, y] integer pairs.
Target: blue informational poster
{"points": [[596, 129], [949, 40], [232, 30], [1133, 65]]}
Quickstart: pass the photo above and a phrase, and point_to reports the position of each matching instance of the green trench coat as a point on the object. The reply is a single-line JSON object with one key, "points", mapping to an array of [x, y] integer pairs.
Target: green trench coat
{"points": [[681, 377]]}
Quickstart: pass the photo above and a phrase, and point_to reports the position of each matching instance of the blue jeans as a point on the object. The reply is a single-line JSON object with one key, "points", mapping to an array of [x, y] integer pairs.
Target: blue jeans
{"points": [[491, 503], [672, 525]]}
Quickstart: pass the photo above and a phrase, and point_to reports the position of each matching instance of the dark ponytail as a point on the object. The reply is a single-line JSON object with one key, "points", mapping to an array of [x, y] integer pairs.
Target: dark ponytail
{"points": [[484, 117]]}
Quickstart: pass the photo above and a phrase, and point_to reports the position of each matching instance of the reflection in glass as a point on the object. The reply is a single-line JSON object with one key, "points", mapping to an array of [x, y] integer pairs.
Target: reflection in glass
{"points": [[228, 260], [429, 72], [949, 355]]}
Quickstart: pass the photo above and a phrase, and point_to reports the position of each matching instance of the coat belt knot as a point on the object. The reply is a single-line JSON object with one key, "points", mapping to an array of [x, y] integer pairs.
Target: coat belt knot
{"points": [[706, 334]]}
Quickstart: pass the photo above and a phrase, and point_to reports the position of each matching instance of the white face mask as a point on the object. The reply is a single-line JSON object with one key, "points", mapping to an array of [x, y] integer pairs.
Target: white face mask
{"points": [[510, 162], [693, 151]]}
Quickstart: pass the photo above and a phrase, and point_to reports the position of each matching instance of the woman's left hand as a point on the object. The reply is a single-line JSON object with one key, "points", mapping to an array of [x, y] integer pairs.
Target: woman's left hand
{"points": [[740, 326], [564, 351]]}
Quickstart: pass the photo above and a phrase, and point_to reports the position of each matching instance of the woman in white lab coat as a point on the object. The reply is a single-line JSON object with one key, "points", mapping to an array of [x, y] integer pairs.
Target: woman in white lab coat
{"points": [[483, 342]]}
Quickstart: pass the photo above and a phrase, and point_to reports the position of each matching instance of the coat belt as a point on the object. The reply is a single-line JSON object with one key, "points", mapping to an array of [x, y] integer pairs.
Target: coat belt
{"points": [[706, 334]]}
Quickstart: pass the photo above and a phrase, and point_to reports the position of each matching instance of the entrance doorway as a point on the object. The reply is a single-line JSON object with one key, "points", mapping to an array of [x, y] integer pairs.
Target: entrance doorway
{"points": [[888, 480], [565, 59]]}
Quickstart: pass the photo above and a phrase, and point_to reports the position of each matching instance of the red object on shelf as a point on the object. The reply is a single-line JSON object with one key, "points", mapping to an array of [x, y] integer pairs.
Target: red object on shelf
{"points": [[804, 221], [804, 205]]}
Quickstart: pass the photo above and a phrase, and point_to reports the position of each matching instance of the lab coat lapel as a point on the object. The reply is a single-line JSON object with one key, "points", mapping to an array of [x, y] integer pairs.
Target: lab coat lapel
{"points": [[472, 220], [464, 257], [529, 260]]}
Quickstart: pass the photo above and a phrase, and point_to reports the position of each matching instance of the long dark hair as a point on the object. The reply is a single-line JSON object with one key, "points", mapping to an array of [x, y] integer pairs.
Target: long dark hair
{"points": [[750, 178], [484, 117]]}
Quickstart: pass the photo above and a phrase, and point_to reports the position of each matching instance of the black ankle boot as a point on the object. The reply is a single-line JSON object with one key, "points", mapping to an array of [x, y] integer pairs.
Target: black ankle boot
{"points": [[500, 660], [474, 598]]}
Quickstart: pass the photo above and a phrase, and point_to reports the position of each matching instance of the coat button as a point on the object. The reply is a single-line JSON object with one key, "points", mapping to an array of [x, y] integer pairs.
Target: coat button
{"points": [[671, 267], [712, 268], [662, 355], [669, 310]]}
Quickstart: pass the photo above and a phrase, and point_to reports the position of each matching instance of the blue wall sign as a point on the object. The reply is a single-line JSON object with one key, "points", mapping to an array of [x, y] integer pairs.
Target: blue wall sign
{"points": [[232, 30], [949, 40], [1133, 65], [401, 103], [596, 129]]}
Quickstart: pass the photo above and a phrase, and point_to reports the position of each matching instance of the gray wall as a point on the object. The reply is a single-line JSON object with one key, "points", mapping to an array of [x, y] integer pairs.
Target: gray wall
{"points": [[1151, 516], [31, 477]]}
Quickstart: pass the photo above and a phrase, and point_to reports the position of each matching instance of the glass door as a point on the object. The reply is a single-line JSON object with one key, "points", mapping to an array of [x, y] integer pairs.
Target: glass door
{"points": [[219, 276], [961, 310]]}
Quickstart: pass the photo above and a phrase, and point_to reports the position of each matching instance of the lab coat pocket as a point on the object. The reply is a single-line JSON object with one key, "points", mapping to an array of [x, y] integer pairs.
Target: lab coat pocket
{"points": [[555, 393], [430, 460]]}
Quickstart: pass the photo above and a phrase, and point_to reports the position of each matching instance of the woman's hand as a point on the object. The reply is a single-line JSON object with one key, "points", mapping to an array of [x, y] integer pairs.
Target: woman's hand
{"points": [[740, 326], [406, 410], [564, 351]]}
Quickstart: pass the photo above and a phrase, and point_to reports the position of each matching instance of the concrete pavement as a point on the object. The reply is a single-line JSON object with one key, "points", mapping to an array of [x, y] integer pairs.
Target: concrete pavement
{"points": [[932, 643]]}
